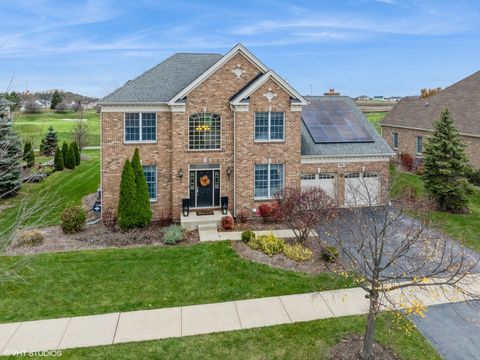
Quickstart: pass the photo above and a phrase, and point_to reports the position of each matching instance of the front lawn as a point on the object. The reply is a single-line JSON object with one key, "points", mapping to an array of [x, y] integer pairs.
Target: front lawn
{"points": [[309, 340], [101, 281]]}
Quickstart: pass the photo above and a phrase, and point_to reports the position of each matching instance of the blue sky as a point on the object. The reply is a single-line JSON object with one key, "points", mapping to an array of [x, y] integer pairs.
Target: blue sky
{"points": [[373, 47]]}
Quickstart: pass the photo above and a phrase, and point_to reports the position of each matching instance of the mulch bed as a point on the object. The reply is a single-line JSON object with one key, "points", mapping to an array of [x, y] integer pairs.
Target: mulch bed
{"points": [[314, 266], [350, 347]]}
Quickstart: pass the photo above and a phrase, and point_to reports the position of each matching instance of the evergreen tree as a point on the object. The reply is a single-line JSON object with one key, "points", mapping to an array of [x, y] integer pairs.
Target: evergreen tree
{"points": [[58, 160], [64, 150], [127, 203], [70, 160], [144, 213], [49, 142], [28, 154], [446, 165], [10, 156], [76, 150], [56, 99]]}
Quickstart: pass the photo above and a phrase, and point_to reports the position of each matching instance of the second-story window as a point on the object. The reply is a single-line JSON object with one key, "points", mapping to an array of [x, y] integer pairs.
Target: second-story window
{"points": [[269, 126], [140, 127], [204, 132]]}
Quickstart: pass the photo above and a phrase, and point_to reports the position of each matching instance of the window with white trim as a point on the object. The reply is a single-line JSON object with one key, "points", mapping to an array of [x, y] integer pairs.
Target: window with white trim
{"points": [[150, 173], [140, 127], [395, 140], [268, 180], [307, 177], [269, 126], [204, 132], [419, 145]]}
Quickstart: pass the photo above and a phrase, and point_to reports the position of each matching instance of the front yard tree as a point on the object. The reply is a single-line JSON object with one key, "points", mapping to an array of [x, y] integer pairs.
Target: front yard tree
{"points": [[64, 151], [390, 255], [143, 198], [446, 165], [81, 132], [58, 163], [10, 155], [56, 99], [127, 203], [49, 142], [28, 154], [76, 150], [70, 161]]}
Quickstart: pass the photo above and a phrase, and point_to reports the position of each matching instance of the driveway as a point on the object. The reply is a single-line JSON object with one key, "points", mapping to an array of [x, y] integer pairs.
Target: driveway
{"points": [[453, 329]]}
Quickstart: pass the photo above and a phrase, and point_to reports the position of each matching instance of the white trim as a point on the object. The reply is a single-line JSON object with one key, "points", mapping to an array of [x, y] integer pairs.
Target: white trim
{"points": [[295, 107], [239, 48], [423, 129], [269, 140], [136, 108], [178, 108], [155, 199], [320, 159], [239, 108], [261, 80], [139, 141], [270, 197], [221, 133]]}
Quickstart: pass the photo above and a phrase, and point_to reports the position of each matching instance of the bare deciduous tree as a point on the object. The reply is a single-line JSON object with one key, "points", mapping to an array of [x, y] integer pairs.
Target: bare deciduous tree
{"points": [[80, 130]]}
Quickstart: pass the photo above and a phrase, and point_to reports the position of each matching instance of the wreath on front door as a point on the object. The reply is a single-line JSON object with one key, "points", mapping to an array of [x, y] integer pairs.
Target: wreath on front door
{"points": [[204, 181]]}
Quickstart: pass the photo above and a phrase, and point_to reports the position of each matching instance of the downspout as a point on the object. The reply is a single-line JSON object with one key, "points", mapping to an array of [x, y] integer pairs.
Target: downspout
{"points": [[234, 162]]}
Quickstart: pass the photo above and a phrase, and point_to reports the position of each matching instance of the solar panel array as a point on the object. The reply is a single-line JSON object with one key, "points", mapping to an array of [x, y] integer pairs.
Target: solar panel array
{"points": [[334, 121]]}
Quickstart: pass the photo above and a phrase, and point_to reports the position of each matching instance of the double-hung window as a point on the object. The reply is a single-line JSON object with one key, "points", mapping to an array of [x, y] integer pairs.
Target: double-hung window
{"points": [[268, 180], [419, 145], [140, 127], [269, 126], [395, 140], [150, 173]]}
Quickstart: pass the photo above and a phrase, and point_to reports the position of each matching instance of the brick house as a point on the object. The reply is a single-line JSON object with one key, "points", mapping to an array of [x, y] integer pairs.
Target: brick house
{"points": [[409, 123], [210, 126]]}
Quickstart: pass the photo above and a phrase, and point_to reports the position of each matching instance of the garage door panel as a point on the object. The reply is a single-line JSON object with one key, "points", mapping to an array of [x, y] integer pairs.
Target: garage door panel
{"points": [[326, 182], [362, 189]]}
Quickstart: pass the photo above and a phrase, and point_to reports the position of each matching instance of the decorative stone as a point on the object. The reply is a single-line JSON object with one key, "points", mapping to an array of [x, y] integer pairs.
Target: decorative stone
{"points": [[269, 95], [238, 71]]}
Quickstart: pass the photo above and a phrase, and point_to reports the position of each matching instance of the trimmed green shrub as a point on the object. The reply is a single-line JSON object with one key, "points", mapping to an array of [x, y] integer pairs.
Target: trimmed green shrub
{"points": [[76, 150], [64, 151], [255, 243], [28, 154], [48, 170], [70, 160], [227, 223], [73, 219], [49, 142], [297, 252], [173, 234], [127, 203], [330, 254], [144, 210], [58, 160], [29, 238], [248, 235]]}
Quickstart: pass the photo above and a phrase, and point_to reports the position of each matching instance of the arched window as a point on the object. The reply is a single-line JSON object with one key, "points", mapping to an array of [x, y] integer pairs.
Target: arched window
{"points": [[204, 132]]}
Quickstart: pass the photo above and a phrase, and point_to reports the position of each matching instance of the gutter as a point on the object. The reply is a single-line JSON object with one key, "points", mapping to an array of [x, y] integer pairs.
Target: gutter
{"points": [[423, 129], [234, 162]]}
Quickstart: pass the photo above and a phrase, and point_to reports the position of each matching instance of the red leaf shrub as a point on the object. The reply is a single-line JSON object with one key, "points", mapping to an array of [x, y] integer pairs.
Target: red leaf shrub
{"points": [[268, 212], [407, 161], [227, 223]]}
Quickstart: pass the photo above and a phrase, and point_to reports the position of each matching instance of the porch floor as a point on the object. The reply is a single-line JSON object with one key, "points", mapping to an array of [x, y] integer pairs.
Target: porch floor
{"points": [[192, 221]]}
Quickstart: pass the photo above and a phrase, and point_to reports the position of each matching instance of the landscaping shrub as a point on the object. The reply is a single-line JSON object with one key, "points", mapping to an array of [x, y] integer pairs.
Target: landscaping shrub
{"points": [[28, 154], [255, 243], [297, 252], [29, 238], [271, 245], [473, 175], [73, 219], [70, 161], [127, 203], [268, 212], [173, 234], [58, 160], [64, 151], [243, 216], [47, 170], [419, 170], [49, 142], [407, 161], [165, 219], [330, 254], [143, 214], [76, 151], [227, 223], [248, 235]]}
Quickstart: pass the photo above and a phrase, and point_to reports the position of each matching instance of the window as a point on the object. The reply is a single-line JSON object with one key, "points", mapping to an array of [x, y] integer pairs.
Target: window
{"points": [[326, 176], [307, 177], [140, 127], [151, 178], [419, 145], [395, 140], [204, 132], [269, 126], [268, 180]]}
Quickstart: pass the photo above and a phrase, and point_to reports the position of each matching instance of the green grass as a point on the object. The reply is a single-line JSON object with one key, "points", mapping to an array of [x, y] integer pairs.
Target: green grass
{"points": [[34, 126], [309, 340], [93, 282], [375, 118], [463, 227], [59, 190]]}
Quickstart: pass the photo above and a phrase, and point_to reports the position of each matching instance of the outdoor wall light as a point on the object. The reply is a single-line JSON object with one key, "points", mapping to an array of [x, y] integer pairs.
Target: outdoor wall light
{"points": [[185, 207], [229, 171], [180, 174], [224, 202]]}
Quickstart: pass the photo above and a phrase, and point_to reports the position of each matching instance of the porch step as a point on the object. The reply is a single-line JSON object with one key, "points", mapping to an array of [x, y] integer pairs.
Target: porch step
{"points": [[207, 227], [193, 220]]}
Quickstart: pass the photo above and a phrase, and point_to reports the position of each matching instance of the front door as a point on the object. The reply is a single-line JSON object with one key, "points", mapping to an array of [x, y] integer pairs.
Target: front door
{"points": [[204, 188]]}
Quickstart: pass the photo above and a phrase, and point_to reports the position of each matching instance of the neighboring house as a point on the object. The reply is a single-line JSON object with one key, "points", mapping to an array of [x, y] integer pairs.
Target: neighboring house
{"points": [[408, 125], [363, 98], [5, 108], [210, 126]]}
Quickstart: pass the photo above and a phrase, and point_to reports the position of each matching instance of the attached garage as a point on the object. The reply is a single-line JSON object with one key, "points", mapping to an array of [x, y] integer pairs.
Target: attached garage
{"points": [[362, 189], [326, 182]]}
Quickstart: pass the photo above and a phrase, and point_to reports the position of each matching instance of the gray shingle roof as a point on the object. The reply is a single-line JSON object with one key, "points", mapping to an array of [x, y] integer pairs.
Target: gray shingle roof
{"points": [[377, 147], [461, 98], [165, 80]]}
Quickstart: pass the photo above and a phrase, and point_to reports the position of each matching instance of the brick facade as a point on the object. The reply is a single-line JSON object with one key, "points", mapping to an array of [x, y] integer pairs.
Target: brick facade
{"points": [[407, 142]]}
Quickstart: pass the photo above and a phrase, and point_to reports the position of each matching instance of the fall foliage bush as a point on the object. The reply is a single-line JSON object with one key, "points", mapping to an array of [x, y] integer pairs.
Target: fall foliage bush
{"points": [[29, 238], [73, 219], [268, 212], [227, 223]]}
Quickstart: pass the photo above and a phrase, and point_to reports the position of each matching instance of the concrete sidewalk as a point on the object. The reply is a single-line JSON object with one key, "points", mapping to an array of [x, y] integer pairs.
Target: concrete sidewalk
{"points": [[113, 328]]}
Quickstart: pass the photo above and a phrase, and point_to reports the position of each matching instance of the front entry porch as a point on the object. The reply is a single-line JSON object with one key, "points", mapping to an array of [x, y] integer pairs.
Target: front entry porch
{"points": [[193, 220], [204, 186]]}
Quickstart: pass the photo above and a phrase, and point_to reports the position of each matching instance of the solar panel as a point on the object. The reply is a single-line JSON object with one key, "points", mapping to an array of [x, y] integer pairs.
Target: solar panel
{"points": [[334, 121]]}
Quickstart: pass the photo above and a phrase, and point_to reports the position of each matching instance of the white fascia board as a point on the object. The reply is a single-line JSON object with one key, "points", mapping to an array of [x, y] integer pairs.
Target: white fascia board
{"points": [[236, 49], [135, 108], [327, 159], [423, 129], [261, 80]]}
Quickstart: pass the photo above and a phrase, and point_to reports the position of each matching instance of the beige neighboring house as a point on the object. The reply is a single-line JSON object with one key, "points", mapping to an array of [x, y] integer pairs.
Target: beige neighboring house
{"points": [[212, 126], [407, 126]]}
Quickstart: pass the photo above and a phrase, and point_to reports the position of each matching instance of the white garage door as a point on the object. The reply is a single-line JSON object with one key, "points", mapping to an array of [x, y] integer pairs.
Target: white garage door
{"points": [[362, 189], [325, 181]]}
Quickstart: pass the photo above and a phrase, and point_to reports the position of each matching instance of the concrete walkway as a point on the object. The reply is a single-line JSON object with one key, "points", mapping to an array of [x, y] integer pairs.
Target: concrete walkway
{"points": [[113, 328], [212, 234]]}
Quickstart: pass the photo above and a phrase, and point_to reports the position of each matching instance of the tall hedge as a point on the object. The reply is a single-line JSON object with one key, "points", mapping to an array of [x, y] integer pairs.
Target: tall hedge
{"points": [[77, 153], [64, 151], [70, 160], [144, 215], [10, 156], [58, 160], [28, 154], [127, 203]]}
